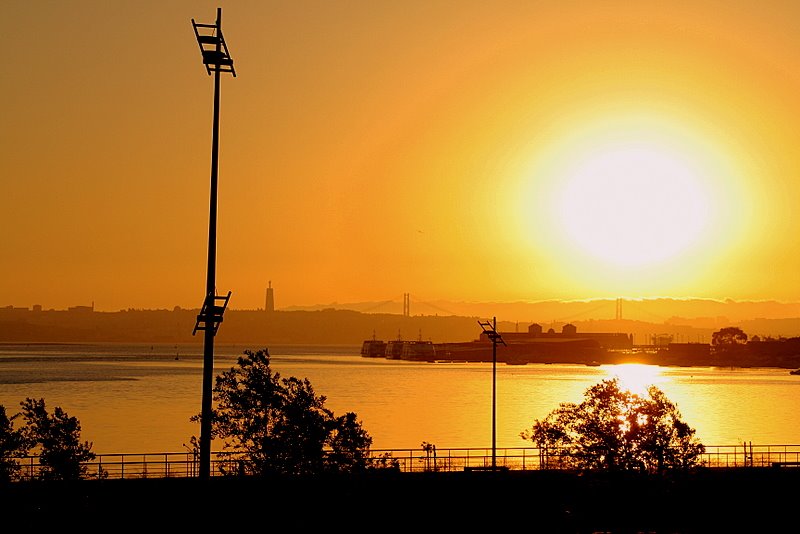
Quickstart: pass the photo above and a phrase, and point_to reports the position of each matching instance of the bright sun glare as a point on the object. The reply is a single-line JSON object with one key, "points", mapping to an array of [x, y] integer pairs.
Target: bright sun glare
{"points": [[633, 204], [636, 377]]}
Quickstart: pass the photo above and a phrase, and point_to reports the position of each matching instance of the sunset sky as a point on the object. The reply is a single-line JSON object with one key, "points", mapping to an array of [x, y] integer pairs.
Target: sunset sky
{"points": [[475, 151]]}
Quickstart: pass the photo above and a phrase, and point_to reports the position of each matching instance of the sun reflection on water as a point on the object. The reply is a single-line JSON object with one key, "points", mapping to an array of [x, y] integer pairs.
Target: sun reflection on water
{"points": [[636, 377]]}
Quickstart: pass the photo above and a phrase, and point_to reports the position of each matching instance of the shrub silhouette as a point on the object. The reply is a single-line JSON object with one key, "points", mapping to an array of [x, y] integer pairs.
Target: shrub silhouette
{"points": [[614, 429], [56, 439], [281, 424], [12, 446]]}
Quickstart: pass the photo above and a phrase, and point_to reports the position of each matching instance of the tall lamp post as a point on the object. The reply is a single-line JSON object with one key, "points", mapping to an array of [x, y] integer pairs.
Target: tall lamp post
{"points": [[216, 59], [490, 329]]}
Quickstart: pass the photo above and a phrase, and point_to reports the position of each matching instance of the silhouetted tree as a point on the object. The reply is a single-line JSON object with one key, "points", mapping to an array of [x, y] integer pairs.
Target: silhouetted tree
{"points": [[430, 454], [12, 446], [728, 336], [56, 438], [281, 424], [349, 444], [615, 429]]}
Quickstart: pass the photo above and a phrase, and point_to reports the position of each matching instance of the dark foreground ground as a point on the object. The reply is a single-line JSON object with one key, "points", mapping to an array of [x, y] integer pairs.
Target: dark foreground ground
{"points": [[713, 500]]}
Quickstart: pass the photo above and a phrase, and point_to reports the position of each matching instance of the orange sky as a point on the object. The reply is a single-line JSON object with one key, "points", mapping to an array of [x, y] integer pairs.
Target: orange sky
{"points": [[477, 151]]}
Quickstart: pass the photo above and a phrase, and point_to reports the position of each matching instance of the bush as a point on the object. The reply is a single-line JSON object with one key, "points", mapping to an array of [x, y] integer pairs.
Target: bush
{"points": [[613, 429]]}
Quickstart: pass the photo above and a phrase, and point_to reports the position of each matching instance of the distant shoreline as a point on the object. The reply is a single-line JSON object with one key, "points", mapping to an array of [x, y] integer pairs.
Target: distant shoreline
{"points": [[788, 361], [336, 326]]}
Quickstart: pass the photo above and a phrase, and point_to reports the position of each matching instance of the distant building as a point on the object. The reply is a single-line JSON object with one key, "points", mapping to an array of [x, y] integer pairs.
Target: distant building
{"points": [[270, 304], [661, 340], [606, 340], [12, 312]]}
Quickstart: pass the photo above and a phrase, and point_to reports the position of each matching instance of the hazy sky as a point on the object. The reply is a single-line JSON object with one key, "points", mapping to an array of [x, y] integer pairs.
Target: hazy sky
{"points": [[497, 151]]}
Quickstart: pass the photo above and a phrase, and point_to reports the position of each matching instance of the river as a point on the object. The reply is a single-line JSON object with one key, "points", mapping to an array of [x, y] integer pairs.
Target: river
{"points": [[139, 398]]}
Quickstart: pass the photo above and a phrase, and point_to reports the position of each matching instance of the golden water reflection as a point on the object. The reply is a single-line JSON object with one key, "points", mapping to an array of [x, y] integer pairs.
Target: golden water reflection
{"points": [[144, 405]]}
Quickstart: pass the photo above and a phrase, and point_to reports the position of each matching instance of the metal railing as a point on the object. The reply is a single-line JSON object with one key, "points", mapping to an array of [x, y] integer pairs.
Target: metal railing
{"points": [[186, 464]]}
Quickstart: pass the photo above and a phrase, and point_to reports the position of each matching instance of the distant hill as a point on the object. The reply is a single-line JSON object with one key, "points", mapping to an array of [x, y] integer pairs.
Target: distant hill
{"points": [[709, 312], [680, 321]]}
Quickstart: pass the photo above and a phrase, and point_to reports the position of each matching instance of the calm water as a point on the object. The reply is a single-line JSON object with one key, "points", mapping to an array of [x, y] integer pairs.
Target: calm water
{"points": [[139, 398]]}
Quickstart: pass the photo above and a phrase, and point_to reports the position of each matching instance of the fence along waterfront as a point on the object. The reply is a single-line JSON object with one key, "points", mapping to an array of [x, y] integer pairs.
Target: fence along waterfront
{"points": [[186, 464]]}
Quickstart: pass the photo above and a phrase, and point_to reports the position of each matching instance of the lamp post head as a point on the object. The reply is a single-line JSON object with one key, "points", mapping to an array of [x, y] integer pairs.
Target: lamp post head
{"points": [[212, 45]]}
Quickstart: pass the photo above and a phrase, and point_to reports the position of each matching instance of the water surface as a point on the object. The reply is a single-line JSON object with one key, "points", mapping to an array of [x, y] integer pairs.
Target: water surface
{"points": [[139, 398]]}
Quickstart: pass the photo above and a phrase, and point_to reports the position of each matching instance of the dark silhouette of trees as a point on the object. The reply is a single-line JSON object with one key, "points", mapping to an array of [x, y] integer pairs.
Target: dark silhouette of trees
{"points": [[430, 456], [55, 438], [614, 429], [728, 336], [729, 347], [281, 424], [12, 446]]}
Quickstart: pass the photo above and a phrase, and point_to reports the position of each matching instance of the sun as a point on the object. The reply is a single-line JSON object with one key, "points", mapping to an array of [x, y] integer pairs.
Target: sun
{"points": [[633, 203], [645, 203], [641, 202]]}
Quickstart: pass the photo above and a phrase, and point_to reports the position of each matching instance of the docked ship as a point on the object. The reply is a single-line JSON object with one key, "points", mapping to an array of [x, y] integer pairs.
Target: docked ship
{"points": [[418, 351], [399, 349], [373, 348], [518, 348]]}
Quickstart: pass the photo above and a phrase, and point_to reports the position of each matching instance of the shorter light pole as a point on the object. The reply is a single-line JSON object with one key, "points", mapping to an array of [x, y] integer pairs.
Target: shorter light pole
{"points": [[490, 329]]}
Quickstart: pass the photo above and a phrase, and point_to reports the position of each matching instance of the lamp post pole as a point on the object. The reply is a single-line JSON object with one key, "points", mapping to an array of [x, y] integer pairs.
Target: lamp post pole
{"points": [[216, 59], [491, 331], [494, 397], [211, 288]]}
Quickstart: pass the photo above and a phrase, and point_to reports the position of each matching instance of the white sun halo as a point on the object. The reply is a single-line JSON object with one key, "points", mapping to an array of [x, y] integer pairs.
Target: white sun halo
{"points": [[633, 204]]}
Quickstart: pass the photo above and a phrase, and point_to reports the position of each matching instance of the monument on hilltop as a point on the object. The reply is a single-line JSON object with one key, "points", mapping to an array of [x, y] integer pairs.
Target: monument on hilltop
{"points": [[270, 304]]}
